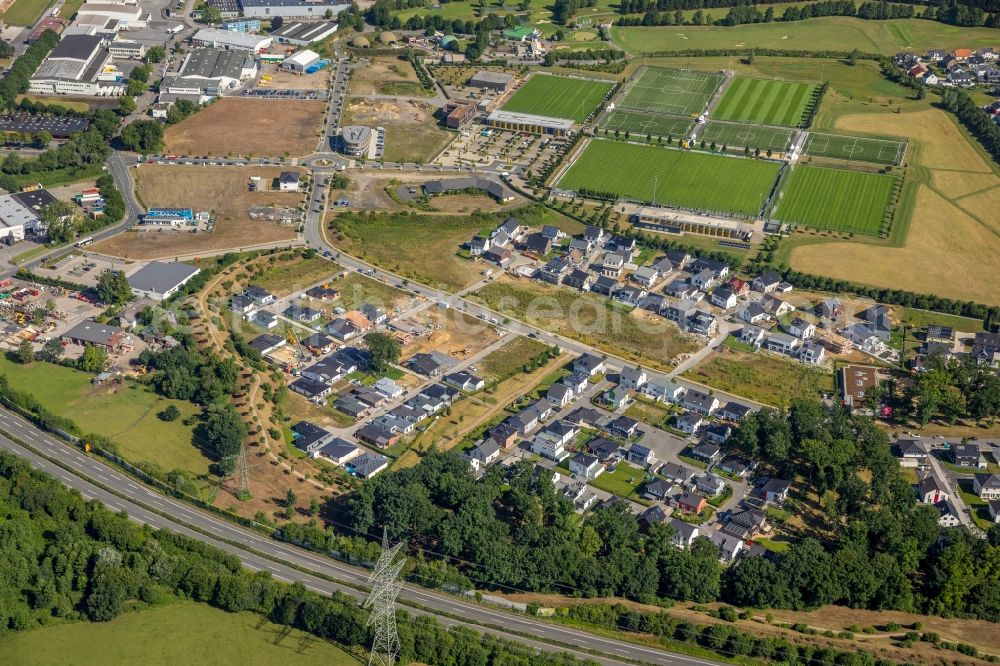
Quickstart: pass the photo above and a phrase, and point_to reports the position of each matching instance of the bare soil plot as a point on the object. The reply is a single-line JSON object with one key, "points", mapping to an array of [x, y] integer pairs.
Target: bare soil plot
{"points": [[386, 75], [282, 79], [411, 131], [453, 332], [952, 247], [223, 190], [241, 126]]}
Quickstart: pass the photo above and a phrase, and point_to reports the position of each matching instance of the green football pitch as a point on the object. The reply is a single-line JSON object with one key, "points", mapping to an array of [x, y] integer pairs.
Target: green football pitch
{"points": [[855, 148], [642, 124], [766, 102], [692, 180], [834, 199], [681, 92], [747, 136], [558, 97]]}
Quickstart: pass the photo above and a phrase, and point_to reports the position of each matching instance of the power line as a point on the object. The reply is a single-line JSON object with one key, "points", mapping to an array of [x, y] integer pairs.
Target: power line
{"points": [[382, 602]]}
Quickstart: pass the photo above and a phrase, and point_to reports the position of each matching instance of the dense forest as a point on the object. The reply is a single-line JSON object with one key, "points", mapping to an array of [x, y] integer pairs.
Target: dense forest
{"points": [[880, 550]]}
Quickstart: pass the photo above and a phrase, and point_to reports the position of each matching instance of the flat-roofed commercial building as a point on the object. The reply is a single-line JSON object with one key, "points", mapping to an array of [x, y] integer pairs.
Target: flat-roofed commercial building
{"points": [[230, 40], [78, 65], [498, 81], [128, 16], [301, 33], [211, 72], [530, 123], [159, 280], [291, 8]]}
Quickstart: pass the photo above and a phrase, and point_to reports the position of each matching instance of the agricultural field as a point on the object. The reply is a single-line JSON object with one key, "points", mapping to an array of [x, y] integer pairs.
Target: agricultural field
{"points": [[646, 123], [683, 93], [124, 413], [835, 199], [766, 102], [291, 127], [747, 136], [558, 97], [685, 179], [411, 132], [590, 319], [855, 148], [170, 635], [946, 236], [226, 193], [834, 33], [760, 376]]}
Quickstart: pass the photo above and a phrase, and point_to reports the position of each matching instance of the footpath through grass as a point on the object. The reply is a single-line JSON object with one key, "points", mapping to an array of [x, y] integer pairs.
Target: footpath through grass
{"points": [[184, 632], [692, 180], [123, 412], [835, 199], [558, 97]]}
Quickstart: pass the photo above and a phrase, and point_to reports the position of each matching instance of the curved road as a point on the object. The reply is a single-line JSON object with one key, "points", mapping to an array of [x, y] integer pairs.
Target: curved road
{"points": [[241, 542]]}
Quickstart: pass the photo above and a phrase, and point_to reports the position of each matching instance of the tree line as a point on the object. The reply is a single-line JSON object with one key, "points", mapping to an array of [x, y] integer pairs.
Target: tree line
{"points": [[65, 559], [15, 81], [979, 123]]}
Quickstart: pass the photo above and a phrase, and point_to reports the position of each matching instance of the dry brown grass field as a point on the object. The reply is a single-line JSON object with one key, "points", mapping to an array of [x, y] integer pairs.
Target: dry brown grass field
{"points": [[225, 192], [240, 126], [411, 131], [952, 247]]}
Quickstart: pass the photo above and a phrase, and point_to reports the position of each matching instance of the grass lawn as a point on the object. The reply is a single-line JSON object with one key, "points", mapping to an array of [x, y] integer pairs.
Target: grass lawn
{"points": [[699, 464], [685, 179], [622, 482], [855, 148], [356, 290], [835, 199], [171, 635], [647, 412], [510, 359], [421, 247], [767, 102], [778, 544], [643, 124], [588, 318], [558, 97], [744, 136], [923, 318], [300, 274], [761, 377], [658, 90], [26, 12], [124, 413], [980, 508], [819, 34]]}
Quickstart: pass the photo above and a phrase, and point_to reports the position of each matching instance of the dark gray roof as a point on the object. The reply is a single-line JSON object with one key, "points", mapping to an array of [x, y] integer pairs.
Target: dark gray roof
{"points": [[206, 63], [160, 277], [76, 47], [57, 126], [90, 331], [303, 32]]}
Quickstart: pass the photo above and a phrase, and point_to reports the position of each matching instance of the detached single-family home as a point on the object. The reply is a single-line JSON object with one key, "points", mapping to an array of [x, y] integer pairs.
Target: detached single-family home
{"points": [[665, 390], [987, 486], [549, 447], [718, 433], [559, 395], [585, 465], [691, 503], [604, 448], [773, 490], [729, 546], [478, 245], [639, 455], [930, 492], [707, 453], [676, 473], [782, 343], [812, 353], [259, 295], [654, 515], [589, 364], [968, 455], [647, 276], [632, 377], [766, 282], [612, 265], [689, 422], [485, 452], [751, 335], [657, 489], [684, 533], [710, 484], [733, 411], [464, 380], [723, 297], [801, 328], [699, 402], [752, 313], [578, 279], [615, 398], [624, 427]]}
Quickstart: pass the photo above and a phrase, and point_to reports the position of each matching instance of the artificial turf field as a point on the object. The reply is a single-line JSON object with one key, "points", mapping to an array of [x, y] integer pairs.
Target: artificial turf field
{"points": [[558, 97], [646, 123], [681, 92], [765, 102], [855, 148], [834, 199], [747, 136], [686, 179]]}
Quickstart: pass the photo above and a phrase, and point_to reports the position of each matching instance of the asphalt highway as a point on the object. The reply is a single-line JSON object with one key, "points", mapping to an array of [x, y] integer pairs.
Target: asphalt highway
{"points": [[246, 545]]}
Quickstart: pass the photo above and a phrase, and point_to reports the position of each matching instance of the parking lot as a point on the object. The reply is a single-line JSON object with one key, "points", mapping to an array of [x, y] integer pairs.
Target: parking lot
{"points": [[81, 268]]}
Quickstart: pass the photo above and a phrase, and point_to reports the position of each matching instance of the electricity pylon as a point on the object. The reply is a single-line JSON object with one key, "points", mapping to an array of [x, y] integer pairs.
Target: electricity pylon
{"points": [[382, 603], [243, 475]]}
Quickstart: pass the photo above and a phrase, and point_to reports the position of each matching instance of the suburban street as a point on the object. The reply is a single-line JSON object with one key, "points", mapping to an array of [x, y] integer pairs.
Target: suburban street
{"points": [[256, 552]]}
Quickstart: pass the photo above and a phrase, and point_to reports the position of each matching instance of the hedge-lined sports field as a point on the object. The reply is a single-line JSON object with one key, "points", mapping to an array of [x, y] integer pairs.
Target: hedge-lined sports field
{"points": [[855, 148], [558, 97], [766, 101], [834, 199], [641, 124], [681, 92], [747, 136], [685, 179]]}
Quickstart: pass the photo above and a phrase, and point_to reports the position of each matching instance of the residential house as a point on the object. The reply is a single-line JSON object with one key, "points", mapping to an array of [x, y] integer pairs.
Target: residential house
{"points": [[812, 353], [615, 398], [663, 266], [710, 484], [746, 524], [242, 304], [305, 315], [654, 303], [594, 235], [339, 451], [555, 270], [374, 314], [657, 489], [431, 364], [878, 319], [578, 279], [689, 422], [630, 296], [774, 491], [485, 452], [576, 381], [376, 436], [322, 293], [775, 307], [464, 380], [723, 297], [679, 258], [733, 411], [930, 492], [676, 473], [564, 431], [310, 389], [624, 427], [801, 328], [663, 390], [524, 421], [855, 383], [612, 264], [647, 276], [388, 388], [987, 486], [512, 229], [830, 309], [549, 447], [738, 286], [559, 395], [681, 289], [704, 280], [719, 269], [684, 533], [552, 232], [605, 286], [936, 55], [968, 455], [766, 282], [504, 435], [343, 329], [938, 333], [589, 364], [537, 244], [632, 377], [654, 515], [986, 349], [703, 323], [580, 245], [585, 465], [782, 343], [691, 503], [542, 409], [585, 417], [502, 257], [718, 433], [699, 402], [949, 516], [309, 437], [736, 466], [751, 335], [367, 465], [912, 453], [478, 245], [707, 453], [639, 455], [994, 508], [624, 246], [752, 313], [729, 546], [259, 295], [265, 319], [604, 448], [326, 370]]}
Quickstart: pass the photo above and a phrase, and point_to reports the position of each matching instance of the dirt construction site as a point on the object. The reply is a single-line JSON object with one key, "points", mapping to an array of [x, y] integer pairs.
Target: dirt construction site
{"points": [[226, 193], [242, 126], [411, 132]]}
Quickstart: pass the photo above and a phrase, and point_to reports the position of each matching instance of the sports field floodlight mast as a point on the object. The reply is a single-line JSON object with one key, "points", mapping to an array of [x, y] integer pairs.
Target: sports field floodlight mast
{"points": [[382, 603]]}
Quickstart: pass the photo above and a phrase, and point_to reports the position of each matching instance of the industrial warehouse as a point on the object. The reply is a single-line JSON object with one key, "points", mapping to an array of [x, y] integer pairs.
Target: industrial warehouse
{"points": [[79, 65]]}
